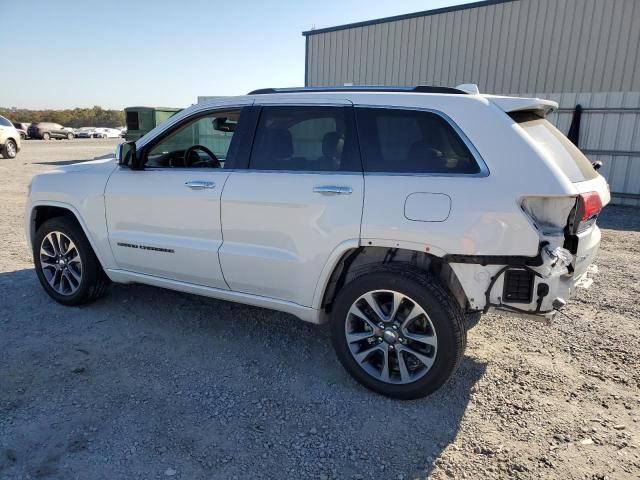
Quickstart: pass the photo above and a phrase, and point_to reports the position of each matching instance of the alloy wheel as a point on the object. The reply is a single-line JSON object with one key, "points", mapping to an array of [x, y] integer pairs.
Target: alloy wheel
{"points": [[11, 149], [391, 337], [60, 262]]}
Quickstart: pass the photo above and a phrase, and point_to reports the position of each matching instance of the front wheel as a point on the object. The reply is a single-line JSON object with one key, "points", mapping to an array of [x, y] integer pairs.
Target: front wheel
{"points": [[398, 333], [66, 265], [69, 136], [10, 149]]}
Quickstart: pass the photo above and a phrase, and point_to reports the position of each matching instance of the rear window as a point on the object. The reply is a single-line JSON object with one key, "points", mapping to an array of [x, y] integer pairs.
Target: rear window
{"points": [[411, 141], [565, 154]]}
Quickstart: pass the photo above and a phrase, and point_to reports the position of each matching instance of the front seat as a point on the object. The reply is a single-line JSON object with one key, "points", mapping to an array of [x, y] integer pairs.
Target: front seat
{"points": [[276, 150]]}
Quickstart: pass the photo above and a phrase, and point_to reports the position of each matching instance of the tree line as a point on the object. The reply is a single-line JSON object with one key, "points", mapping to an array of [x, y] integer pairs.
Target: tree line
{"points": [[76, 117]]}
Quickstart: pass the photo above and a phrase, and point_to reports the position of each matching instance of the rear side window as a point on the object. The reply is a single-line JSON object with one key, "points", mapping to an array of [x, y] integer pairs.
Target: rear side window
{"points": [[304, 139], [4, 122], [559, 148], [410, 141]]}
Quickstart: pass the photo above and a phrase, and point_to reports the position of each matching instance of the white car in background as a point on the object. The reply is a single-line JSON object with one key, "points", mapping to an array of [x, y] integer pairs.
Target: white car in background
{"points": [[106, 133], [397, 215]]}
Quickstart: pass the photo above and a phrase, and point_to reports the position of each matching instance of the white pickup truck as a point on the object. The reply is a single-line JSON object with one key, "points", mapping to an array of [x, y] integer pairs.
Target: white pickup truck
{"points": [[398, 215]]}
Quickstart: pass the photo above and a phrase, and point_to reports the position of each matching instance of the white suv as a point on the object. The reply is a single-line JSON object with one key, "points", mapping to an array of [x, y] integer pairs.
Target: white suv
{"points": [[9, 139], [397, 215]]}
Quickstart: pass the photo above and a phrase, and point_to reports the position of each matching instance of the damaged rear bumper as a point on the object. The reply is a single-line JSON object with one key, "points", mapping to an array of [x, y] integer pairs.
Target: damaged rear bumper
{"points": [[535, 291]]}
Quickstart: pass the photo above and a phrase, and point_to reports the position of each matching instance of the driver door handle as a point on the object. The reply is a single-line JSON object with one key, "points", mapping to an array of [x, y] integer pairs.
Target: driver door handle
{"points": [[199, 184]]}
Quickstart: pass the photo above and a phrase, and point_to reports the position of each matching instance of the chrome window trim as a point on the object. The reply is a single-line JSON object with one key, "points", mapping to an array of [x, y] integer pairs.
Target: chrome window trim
{"points": [[484, 169]]}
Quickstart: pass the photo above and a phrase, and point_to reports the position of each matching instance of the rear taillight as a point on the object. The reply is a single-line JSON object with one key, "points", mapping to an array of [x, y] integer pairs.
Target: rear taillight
{"points": [[587, 211]]}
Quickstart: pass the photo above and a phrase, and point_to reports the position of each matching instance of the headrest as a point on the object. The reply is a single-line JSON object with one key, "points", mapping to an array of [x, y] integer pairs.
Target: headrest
{"points": [[330, 144]]}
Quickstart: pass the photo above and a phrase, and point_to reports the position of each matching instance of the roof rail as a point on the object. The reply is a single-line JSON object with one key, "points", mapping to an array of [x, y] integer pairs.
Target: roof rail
{"points": [[363, 88]]}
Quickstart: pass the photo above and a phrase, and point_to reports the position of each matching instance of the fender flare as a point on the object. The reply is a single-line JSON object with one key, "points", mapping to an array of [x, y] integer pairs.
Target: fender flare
{"points": [[74, 211]]}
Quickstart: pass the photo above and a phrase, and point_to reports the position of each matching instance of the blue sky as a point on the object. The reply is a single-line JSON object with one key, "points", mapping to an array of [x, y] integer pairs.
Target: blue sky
{"points": [[73, 53]]}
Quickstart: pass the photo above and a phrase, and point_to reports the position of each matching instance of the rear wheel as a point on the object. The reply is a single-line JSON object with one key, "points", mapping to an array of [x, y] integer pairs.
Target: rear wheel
{"points": [[46, 136], [398, 333], [69, 136], [66, 265], [10, 149]]}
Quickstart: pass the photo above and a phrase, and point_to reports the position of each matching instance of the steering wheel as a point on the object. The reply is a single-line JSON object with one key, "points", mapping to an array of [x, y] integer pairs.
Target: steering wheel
{"points": [[188, 153]]}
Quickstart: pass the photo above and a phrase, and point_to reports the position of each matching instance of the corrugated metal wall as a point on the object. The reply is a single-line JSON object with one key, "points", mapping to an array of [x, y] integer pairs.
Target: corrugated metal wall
{"points": [[610, 133], [517, 46], [512, 47]]}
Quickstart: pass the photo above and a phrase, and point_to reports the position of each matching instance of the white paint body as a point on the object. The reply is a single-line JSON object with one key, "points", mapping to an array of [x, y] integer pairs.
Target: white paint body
{"points": [[267, 239]]}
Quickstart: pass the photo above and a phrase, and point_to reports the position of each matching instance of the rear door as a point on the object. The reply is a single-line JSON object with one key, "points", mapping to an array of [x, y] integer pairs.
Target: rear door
{"points": [[299, 199]]}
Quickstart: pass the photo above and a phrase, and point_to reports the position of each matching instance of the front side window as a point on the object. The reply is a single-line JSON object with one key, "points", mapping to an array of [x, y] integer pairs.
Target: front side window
{"points": [[411, 141], [310, 138], [4, 122], [204, 142]]}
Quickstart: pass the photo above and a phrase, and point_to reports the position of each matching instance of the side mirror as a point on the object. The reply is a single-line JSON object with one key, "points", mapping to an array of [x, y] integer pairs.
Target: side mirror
{"points": [[126, 155]]}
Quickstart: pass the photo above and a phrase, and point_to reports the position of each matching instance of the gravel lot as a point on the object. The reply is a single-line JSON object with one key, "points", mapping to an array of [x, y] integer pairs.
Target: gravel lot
{"points": [[148, 383]]}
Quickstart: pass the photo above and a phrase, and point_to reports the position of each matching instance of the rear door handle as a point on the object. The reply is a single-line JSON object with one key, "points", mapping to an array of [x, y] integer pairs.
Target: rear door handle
{"points": [[199, 184], [333, 190]]}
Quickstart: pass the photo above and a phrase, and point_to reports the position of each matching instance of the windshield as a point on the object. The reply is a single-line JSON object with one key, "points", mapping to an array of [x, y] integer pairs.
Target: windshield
{"points": [[566, 155]]}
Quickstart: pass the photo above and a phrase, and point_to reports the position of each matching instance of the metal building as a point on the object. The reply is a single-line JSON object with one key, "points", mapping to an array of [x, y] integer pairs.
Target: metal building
{"points": [[572, 51]]}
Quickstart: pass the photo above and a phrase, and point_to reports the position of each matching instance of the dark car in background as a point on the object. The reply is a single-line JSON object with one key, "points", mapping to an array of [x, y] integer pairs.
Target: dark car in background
{"points": [[47, 130]]}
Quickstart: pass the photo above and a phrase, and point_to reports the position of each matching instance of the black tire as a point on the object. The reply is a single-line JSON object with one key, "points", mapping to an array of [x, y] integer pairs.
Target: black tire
{"points": [[93, 281], [9, 149], [439, 304], [46, 136]]}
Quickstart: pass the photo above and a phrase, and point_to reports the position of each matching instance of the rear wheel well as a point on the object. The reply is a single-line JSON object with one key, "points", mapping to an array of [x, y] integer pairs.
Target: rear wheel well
{"points": [[359, 261]]}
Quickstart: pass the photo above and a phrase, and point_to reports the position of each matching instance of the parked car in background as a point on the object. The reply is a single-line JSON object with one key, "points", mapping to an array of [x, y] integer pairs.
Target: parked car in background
{"points": [[473, 203], [141, 120], [9, 139], [21, 129], [84, 132], [48, 130], [106, 133]]}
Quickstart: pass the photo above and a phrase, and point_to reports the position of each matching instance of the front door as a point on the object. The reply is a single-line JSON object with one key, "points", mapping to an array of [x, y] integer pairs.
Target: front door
{"points": [[300, 198], [164, 220]]}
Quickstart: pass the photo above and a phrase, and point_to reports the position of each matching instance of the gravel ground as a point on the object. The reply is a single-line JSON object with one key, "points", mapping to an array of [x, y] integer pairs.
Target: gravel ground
{"points": [[148, 383]]}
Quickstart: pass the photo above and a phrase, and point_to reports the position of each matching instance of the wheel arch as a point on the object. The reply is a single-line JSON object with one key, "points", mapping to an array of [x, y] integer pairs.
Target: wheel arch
{"points": [[356, 260], [41, 212]]}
